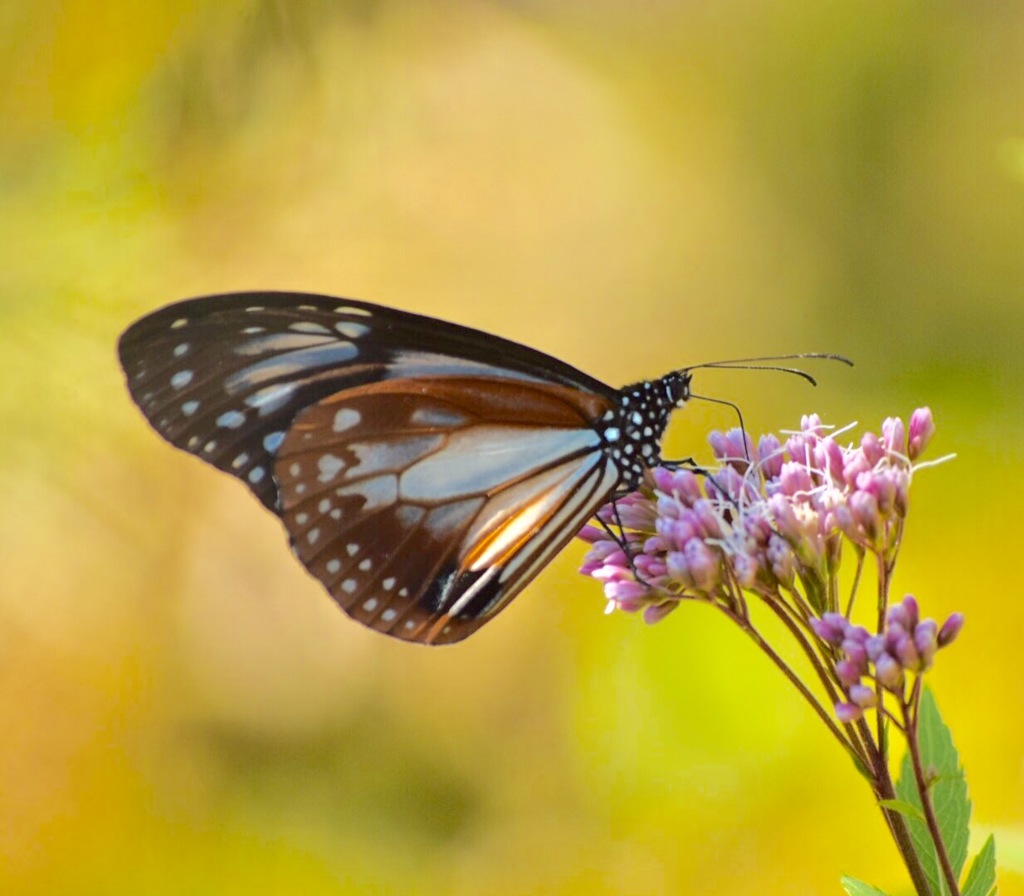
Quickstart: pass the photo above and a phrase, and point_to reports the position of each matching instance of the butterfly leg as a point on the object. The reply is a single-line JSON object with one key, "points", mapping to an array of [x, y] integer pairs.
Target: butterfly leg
{"points": [[620, 540]]}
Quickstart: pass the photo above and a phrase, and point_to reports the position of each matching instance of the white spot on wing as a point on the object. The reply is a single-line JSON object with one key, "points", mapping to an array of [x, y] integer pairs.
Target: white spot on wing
{"points": [[380, 491], [351, 310], [329, 465], [305, 326], [437, 417], [256, 475], [272, 441], [231, 419], [179, 323], [189, 408], [351, 330], [179, 350], [333, 566], [181, 379], [370, 605], [346, 418], [270, 398]]}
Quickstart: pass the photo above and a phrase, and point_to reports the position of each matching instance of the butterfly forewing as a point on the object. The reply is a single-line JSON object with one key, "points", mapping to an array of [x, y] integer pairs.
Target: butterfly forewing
{"points": [[425, 504], [223, 377]]}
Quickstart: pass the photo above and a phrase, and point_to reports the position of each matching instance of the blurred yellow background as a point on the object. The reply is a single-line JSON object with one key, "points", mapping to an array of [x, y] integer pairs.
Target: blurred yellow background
{"points": [[632, 187]]}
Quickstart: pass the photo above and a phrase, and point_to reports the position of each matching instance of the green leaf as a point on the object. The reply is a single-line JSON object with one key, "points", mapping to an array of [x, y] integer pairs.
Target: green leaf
{"points": [[1011, 847], [948, 793], [856, 887], [904, 808], [982, 876]]}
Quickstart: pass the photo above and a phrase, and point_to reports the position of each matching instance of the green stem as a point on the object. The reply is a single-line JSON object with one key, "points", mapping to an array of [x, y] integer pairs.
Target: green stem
{"points": [[850, 746], [856, 581], [910, 714]]}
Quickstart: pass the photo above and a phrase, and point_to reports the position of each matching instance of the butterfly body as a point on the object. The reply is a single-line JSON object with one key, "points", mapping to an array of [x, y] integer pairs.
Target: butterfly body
{"points": [[425, 472]]}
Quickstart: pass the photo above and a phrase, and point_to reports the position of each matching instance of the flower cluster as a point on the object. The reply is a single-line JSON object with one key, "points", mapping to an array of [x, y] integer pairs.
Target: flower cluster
{"points": [[767, 518], [907, 644]]}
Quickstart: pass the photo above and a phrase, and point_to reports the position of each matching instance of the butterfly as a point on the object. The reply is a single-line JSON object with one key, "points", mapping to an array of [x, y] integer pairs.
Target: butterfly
{"points": [[425, 472]]}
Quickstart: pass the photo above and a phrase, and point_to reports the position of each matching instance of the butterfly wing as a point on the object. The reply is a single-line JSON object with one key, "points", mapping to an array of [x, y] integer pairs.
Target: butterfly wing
{"points": [[425, 471], [425, 505], [223, 377]]}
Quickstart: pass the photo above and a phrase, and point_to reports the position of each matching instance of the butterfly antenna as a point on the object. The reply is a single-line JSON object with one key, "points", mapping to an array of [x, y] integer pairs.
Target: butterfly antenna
{"points": [[763, 364]]}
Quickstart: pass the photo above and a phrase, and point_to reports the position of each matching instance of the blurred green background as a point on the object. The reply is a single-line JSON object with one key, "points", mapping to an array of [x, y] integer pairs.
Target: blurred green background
{"points": [[632, 187]]}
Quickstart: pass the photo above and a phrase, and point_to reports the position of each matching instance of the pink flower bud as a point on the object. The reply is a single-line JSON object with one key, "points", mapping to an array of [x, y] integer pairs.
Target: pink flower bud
{"points": [[681, 484], [844, 521], [745, 568], [906, 653], [847, 712], [872, 448], [656, 612], [702, 563], [950, 629], [811, 423], [624, 591], [769, 456], [910, 607], [733, 447], [677, 532], [677, 567], [780, 557], [857, 634], [831, 628], [592, 534], [875, 646], [863, 696], [795, 479], [857, 653], [726, 482], [864, 508], [922, 428], [894, 435], [828, 457], [706, 519], [855, 464], [890, 673], [926, 640], [655, 545], [848, 672]]}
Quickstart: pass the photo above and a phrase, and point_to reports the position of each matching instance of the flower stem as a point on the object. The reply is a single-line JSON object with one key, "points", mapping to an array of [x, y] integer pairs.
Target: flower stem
{"points": [[884, 789], [851, 747], [910, 716]]}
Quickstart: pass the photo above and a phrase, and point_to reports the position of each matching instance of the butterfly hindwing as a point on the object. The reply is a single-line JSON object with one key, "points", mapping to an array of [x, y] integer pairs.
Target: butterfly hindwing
{"points": [[425, 504]]}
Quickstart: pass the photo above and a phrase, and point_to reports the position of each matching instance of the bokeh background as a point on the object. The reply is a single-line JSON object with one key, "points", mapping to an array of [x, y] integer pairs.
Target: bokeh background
{"points": [[632, 187]]}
